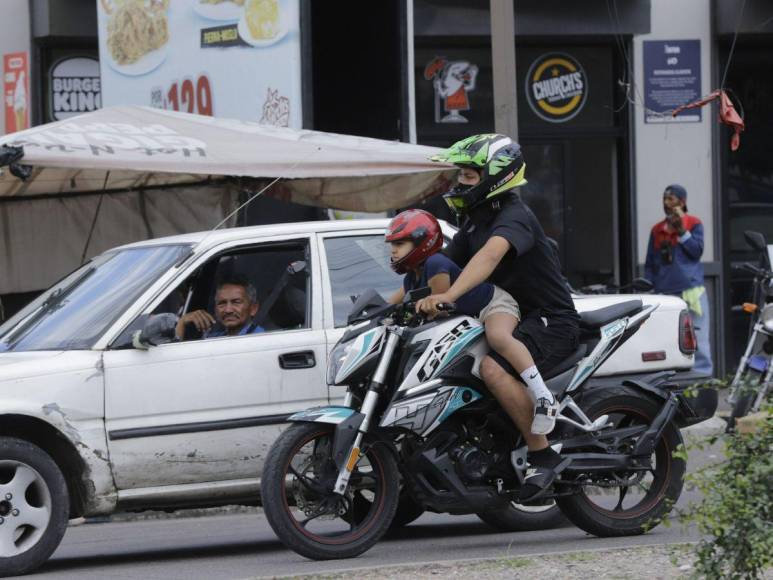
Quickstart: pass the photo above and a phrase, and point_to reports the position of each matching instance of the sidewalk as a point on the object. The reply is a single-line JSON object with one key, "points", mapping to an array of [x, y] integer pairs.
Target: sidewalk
{"points": [[651, 562]]}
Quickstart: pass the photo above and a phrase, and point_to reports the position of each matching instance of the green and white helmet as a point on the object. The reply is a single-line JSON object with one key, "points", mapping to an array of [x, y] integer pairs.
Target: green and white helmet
{"points": [[496, 157]]}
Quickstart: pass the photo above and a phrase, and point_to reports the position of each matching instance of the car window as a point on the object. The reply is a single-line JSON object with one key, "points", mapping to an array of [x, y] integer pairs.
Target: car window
{"points": [[355, 264], [271, 280], [75, 312]]}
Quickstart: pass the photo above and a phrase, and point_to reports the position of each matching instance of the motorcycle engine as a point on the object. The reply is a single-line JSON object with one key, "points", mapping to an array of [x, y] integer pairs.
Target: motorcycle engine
{"points": [[471, 463]]}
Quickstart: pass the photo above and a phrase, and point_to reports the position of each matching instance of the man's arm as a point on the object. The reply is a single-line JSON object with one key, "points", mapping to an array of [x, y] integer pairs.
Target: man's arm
{"points": [[480, 267], [692, 242], [202, 319]]}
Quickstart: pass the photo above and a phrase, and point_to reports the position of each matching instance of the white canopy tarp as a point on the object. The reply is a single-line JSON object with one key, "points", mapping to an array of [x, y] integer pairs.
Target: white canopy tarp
{"points": [[163, 172], [132, 147]]}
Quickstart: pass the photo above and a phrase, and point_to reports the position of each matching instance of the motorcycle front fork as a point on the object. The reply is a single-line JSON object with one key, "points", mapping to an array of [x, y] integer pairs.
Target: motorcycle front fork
{"points": [[736, 385], [367, 409]]}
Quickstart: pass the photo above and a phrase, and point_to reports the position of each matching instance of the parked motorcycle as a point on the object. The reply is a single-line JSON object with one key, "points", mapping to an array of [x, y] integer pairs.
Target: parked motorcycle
{"points": [[752, 380], [416, 413]]}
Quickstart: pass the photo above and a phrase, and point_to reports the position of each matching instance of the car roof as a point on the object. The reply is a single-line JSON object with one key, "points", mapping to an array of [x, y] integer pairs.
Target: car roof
{"points": [[215, 237]]}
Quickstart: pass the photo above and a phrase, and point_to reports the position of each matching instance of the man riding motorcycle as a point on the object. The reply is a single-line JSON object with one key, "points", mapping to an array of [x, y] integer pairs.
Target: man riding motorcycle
{"points": [[500, 240]]}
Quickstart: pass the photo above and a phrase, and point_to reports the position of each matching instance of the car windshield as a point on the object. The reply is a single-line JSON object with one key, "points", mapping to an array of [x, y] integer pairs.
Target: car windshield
{"points": [[76, 311]]}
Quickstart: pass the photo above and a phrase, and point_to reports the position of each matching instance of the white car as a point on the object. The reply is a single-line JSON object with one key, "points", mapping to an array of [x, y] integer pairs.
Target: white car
{"points": [[91, 424]]}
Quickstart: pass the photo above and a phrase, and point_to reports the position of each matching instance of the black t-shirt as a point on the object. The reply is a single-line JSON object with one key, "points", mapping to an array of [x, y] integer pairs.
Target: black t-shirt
{"points": [[530, 270]]}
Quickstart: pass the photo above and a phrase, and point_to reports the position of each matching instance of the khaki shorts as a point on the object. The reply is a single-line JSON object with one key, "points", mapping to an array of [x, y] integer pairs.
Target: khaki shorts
{"points": [[501, 301]]}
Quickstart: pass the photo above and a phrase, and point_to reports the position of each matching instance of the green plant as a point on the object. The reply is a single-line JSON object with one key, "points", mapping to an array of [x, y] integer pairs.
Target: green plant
{"points": [[735, 514]]}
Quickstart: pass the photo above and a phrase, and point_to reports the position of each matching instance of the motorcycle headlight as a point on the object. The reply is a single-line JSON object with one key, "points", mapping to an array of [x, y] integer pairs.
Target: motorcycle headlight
{"points": [[767, 317], [337, 358]]}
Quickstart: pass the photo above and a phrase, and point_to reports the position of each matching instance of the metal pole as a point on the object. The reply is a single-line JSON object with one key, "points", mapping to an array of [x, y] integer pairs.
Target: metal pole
{"points": [[503, 67]]}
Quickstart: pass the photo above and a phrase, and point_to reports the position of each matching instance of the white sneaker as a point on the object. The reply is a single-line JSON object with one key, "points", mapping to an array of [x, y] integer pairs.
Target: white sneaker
{"points": [[545, 413]]}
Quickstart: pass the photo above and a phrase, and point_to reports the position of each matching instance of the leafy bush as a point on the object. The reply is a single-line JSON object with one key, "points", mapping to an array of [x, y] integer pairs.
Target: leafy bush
{"points": [[735, 515]]}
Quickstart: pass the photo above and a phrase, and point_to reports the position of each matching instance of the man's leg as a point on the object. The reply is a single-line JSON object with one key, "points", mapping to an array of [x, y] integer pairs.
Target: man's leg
{"points": [[701, 324], [544, 463], [515, 400]]}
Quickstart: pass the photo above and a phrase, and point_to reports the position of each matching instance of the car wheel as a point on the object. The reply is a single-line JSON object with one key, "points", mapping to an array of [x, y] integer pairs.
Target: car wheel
{"points": [[34, 506]]}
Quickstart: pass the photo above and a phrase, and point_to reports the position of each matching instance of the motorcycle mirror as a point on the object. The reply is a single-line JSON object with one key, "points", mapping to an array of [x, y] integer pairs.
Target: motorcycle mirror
{"points": [[418, 294], [158, 329], [756, 240]]}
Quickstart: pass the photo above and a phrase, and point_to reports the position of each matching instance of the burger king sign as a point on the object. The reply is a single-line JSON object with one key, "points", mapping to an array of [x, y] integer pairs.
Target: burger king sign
{"points": [[556, 87]]}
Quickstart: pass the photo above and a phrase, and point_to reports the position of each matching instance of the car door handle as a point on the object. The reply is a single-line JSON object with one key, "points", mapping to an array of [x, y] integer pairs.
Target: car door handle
{"points": [[297, 360]]}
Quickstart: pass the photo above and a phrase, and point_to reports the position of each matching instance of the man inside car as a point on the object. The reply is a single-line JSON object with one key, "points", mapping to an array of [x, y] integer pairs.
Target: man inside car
{"points": [[236, 305]]}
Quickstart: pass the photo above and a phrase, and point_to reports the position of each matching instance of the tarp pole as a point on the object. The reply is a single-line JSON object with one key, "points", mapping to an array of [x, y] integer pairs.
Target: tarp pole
{"points": [[503, 67]]}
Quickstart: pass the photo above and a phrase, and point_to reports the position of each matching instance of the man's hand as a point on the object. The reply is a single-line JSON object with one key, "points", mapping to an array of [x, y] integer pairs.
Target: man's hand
{"points": [[201, 319], [675, 220], [429, 304]]}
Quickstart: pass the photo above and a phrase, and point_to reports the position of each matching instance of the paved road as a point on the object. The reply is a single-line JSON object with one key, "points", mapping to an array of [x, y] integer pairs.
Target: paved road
{"points": [[243, 546]]}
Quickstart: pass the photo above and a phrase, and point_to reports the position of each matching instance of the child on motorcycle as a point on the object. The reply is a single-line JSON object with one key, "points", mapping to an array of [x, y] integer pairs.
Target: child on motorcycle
{"points": [[416, 241]]}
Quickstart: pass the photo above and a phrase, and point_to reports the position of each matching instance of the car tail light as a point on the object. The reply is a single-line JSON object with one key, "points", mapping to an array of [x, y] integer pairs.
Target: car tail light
{"points": [[688, 344]]}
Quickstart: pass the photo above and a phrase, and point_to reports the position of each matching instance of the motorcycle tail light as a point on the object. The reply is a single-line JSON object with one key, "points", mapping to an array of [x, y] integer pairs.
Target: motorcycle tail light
{"points": [[688, 344]]}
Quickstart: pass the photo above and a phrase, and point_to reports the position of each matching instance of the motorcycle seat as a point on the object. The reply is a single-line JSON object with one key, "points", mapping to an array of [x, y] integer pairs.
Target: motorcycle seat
{"points": [[568, 362], [595, 319]]}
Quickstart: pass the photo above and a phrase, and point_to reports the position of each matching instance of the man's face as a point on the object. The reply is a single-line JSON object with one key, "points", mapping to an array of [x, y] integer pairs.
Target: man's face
{"points": [[468, 176], [233, 308], [670, 201]]}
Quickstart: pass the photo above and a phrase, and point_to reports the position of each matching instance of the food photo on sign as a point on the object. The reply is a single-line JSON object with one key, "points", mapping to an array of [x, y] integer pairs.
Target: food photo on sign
{"points": [[173, 55]]}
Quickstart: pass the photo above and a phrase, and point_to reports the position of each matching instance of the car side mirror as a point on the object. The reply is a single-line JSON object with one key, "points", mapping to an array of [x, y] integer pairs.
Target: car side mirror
{"points": [[158, 329], [756, 240], [296, 267]]}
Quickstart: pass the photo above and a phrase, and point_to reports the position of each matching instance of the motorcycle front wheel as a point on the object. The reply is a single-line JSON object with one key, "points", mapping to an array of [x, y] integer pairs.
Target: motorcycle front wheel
{"points": [[625, 503], [301, 507]]}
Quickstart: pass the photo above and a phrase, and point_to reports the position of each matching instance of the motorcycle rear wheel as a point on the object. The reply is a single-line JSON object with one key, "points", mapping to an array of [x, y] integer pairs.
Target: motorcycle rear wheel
{"points": [[304, 512], [595, 509]]}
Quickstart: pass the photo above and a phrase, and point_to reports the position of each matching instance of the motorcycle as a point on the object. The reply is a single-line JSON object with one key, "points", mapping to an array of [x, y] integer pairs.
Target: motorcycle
{"points": [[417, 417], [751, 382]]}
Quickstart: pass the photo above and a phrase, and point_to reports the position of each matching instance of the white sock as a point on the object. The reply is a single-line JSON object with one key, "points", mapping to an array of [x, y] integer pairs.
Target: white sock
{"points": [[535, 385]]}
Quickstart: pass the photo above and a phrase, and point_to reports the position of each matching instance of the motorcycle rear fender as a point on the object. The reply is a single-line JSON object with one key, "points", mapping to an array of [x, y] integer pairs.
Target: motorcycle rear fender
{"points": [[691, 410]]}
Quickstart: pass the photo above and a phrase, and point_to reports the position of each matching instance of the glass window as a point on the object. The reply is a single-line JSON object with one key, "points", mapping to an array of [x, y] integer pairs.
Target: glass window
{"points": [[75, 312], [355, 264], [275, 294]]}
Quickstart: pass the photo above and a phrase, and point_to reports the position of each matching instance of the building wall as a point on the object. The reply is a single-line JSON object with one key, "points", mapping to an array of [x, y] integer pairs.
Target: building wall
{"points": [[678, 152], [14, 35]]}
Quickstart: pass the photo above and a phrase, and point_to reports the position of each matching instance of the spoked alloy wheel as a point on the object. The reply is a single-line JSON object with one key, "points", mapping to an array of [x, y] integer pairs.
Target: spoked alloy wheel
{"points": [[25, 508], [34, 506], [303, 510], [626, 502]]}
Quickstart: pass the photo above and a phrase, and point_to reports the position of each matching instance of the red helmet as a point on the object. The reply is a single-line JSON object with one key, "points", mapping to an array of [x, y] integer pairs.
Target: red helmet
{"points": [[419, 227]]}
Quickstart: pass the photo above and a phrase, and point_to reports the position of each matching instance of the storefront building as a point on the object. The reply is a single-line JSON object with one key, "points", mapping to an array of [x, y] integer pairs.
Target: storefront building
{"points": [[591, 101]]}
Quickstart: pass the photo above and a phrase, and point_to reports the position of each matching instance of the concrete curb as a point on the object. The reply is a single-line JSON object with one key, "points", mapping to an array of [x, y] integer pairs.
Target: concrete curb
{"points": [[710, 428]]}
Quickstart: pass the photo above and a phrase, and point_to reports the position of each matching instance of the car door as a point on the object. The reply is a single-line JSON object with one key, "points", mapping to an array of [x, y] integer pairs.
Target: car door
{"points": [[207, 410], [352, 262]]}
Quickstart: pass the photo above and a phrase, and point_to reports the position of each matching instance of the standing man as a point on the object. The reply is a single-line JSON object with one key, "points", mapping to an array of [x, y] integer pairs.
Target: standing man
{"points": [[674, 267]]}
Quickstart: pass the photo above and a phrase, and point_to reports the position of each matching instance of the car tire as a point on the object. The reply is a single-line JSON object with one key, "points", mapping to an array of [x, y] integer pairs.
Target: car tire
{"points": [[34, 506]]}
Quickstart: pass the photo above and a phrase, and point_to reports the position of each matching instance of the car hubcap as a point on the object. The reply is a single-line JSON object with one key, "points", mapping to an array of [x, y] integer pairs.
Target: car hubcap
{"points": [[25, 508]]}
